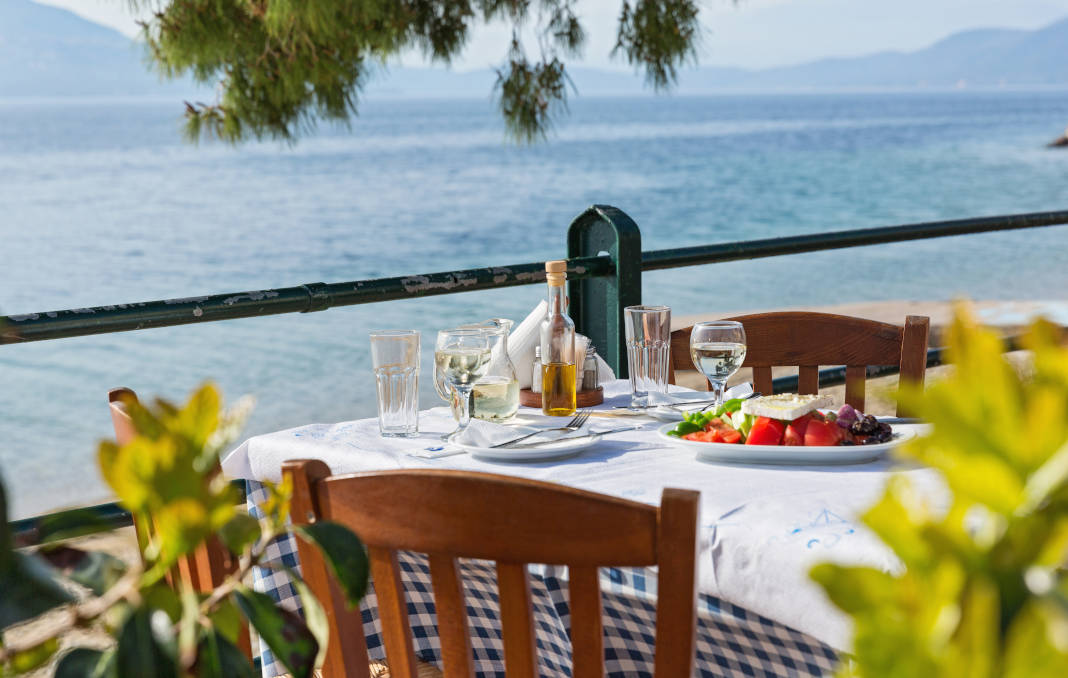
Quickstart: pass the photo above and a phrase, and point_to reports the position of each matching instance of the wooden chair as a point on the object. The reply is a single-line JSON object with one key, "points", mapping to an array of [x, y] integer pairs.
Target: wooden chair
{"points": [[454, 514], [208, 566], [810, 340]]}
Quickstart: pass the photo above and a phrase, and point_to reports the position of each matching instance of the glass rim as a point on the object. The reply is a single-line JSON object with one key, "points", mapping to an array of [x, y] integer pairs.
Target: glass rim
{"points": [[646, 309], [718, 323], [393, 333], [463, 331]]}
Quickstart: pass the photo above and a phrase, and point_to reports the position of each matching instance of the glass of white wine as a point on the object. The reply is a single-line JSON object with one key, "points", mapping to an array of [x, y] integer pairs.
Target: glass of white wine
{"points": [[718, 351], [461, 357]]}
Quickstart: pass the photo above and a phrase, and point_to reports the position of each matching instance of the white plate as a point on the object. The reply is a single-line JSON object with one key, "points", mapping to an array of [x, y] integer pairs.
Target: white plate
{"points": [[557, 449], [790, 455]]}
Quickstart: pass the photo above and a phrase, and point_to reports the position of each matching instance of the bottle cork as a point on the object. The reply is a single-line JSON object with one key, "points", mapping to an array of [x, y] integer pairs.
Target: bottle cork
{"points": [[556, 272]]}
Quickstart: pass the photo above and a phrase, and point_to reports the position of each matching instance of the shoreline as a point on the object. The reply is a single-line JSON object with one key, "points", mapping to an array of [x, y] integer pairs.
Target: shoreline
{"points": [[1011, 317]]}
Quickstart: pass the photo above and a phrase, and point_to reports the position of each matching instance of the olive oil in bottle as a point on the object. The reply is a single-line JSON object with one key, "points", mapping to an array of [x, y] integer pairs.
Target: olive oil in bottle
{"points": [[557, 347], [558, 390]]}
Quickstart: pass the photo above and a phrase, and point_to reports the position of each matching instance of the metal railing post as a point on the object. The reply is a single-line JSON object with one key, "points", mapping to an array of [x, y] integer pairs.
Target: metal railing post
{"points": [[597, 303]]}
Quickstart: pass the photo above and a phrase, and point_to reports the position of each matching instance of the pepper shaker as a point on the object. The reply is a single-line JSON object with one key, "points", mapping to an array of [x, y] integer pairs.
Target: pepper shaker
{"points": [[589, 370]]}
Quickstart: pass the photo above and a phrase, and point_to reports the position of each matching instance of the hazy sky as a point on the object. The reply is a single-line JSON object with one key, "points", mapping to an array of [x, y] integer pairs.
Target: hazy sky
{"points": [[753, 33]]}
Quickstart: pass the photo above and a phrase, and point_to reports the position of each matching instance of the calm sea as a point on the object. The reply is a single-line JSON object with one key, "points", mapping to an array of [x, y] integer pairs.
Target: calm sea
{"points": [[102, 202]]}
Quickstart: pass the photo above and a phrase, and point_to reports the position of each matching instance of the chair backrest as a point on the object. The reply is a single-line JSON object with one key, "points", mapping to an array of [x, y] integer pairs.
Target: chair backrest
{"points": [[513, 521], [204, 569], [809, 340]]}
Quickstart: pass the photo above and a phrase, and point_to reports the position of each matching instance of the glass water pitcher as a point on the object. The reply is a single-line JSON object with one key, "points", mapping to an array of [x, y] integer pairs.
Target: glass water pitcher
{"points": [[495, 396]]}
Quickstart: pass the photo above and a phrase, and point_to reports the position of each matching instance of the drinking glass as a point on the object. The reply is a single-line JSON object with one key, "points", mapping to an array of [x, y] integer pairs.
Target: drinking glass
{"points": [[718, 351], [648, 334], [461, 356], [395, 356]]}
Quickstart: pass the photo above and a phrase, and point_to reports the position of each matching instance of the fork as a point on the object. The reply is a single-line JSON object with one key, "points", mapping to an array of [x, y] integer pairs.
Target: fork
{"points": [[575, 424]]}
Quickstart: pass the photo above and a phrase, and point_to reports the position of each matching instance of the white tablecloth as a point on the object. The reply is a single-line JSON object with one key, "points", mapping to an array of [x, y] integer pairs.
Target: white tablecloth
{"points": [[762, 527]]}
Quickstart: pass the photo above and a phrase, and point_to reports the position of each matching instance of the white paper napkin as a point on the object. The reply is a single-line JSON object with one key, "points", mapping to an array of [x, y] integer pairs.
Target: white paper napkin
{"points": [[527, 335]]}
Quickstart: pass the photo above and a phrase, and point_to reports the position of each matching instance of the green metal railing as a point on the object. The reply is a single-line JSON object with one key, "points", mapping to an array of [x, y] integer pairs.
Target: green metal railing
{"points": [[605, 265]]}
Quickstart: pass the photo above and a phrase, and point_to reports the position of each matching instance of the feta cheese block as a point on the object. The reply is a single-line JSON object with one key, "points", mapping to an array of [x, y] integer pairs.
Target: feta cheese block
{"points": [[785, 406]]}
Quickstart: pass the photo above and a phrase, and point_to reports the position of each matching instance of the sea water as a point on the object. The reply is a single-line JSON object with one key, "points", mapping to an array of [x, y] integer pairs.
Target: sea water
{"points": [[102, 202]]}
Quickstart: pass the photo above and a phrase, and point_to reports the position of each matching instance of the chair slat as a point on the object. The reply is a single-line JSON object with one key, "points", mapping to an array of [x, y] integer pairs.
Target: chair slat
{"points": [[517, 620], [453, 628], [346, 653], [808, 379], [466, 516], [393, 612], [676, 604], [762, 382], [856, 379], [914, 352], [587, 634]]}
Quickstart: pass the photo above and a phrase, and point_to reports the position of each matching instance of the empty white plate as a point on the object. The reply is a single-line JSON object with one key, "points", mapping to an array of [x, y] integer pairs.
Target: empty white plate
{"points": [[556, 449]]}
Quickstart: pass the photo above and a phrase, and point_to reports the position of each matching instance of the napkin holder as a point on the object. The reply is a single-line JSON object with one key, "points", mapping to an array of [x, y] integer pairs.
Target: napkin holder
{"points": [[528, 398]]}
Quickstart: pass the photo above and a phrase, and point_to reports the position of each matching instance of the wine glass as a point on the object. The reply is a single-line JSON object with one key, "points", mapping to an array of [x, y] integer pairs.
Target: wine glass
{"points": [[718, 351], [461, 357]]}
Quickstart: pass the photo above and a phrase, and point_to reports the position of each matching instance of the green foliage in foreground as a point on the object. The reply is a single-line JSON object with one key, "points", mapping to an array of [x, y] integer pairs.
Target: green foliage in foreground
{"points": [[983, 591], [282, 64], [168, 477]]}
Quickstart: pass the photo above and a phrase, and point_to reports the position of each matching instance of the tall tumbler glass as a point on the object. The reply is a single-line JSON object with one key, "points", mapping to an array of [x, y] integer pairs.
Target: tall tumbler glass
{"points": [[648, 335], [395, 355]]}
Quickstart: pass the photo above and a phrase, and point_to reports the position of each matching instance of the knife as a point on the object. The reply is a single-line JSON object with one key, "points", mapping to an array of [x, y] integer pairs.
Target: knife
{"points": [[527, 446]]}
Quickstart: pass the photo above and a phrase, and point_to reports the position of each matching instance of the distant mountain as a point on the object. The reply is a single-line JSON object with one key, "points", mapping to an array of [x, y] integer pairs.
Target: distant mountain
{"points": [[45, 51], [978, 58], [984, 58]]}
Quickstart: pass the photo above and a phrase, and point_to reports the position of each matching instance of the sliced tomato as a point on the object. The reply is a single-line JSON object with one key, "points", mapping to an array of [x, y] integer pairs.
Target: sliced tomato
{"points": [[766, 431], [699, 436], [821, 434], [716, 423], [731, 437], [795, 432], [792, 438]]}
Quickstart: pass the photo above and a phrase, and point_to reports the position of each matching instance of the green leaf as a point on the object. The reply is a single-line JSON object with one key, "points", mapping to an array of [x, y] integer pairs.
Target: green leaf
{"points": [[314, 616], [95, 570], [70, 524], [227, 620], [1030, 651], [84, 662], [855, 589], [160, 596], [30, 588], [891, 520], [199, 417], [30, 658], [239, 532], [146, 646], [283, 631], [217, 657], [345, 554]]}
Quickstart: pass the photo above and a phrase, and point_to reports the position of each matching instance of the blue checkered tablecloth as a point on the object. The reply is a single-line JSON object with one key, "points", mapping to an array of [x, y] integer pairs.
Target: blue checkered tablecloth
{"points": [[731, 641]]}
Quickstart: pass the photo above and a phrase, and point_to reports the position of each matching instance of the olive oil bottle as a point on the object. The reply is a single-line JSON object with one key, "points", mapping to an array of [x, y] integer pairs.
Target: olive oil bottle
{"points": [[557, 347]]}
